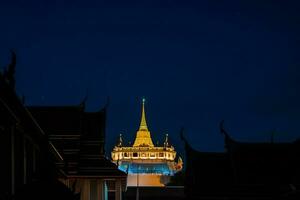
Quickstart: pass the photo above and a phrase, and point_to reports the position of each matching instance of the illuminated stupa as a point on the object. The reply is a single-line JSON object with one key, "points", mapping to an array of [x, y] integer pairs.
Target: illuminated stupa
{"points": [[146, 164]]}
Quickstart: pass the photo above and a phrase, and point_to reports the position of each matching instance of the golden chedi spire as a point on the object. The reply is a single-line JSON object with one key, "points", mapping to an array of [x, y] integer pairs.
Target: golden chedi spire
{"points": [[143, 125], [143, 137]]}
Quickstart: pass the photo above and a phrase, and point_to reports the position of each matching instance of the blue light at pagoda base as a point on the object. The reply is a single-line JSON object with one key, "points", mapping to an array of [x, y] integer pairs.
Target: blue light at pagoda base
{"points": [[146, 168]]}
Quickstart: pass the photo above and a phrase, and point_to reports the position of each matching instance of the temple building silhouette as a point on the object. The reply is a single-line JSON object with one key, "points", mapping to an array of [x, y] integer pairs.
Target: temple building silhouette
{"points": [[243, 171], [145, 163], [28, 169], [79, 136], [53, 152], [57, 152]]}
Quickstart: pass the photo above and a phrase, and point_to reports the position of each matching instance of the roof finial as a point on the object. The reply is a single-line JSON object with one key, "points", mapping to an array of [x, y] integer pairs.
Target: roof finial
{"points": [[143, 125], [120, 141], [9, 73], [166, 143], [83, 102]]}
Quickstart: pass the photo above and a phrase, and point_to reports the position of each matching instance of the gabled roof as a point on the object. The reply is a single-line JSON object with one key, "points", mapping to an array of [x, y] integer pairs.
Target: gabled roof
{"points": [[99, 167], [59, 119], [257, 170], [79, 136], [94, 124], [265, 162], [207, 168]]}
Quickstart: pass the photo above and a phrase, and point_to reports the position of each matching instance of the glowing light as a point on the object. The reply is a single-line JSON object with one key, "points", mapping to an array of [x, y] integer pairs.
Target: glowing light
{"points": [[143, 137], [145, 159], [146, 168]]}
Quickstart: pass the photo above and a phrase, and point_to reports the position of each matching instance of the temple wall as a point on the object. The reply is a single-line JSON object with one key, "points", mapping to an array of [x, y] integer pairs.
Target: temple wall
{"points": [[153, 180]]}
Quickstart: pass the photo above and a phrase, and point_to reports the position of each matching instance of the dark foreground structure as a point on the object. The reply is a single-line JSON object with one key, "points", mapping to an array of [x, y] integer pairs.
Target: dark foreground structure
{"points": [[244, 171], [150, 193], [28, 169], [53, 152], [79, 137]]}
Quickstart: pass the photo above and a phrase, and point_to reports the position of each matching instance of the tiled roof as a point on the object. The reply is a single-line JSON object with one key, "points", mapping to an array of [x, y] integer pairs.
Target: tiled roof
{"points": [[80, 137]]}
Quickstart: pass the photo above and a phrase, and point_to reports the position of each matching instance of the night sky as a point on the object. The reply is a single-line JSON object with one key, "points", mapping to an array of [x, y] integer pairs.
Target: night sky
{"points": [[195, 62]]}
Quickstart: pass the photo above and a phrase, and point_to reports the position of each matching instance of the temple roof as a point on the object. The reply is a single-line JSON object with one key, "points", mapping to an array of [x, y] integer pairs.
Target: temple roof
{"points": [[243, 169], [79, 136], [59, 119]]}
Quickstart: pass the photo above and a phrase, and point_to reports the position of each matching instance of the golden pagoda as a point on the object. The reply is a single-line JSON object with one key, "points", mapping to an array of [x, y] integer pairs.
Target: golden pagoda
{"points": [[146, 164]]}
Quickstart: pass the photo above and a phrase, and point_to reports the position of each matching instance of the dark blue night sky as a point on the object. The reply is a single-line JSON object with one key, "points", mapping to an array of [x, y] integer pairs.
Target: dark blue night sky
{"points": [[196, 63]]}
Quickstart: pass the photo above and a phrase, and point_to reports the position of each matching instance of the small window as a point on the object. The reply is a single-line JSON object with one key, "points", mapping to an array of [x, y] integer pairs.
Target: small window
{"points": [[152, 154], [125, 155], [161, 154], [135, 155]]}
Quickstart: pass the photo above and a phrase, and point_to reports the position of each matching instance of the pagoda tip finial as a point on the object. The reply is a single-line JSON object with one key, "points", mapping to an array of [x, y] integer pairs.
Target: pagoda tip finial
{"points": [[120, 141], [166, 143], [143, 125]]}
